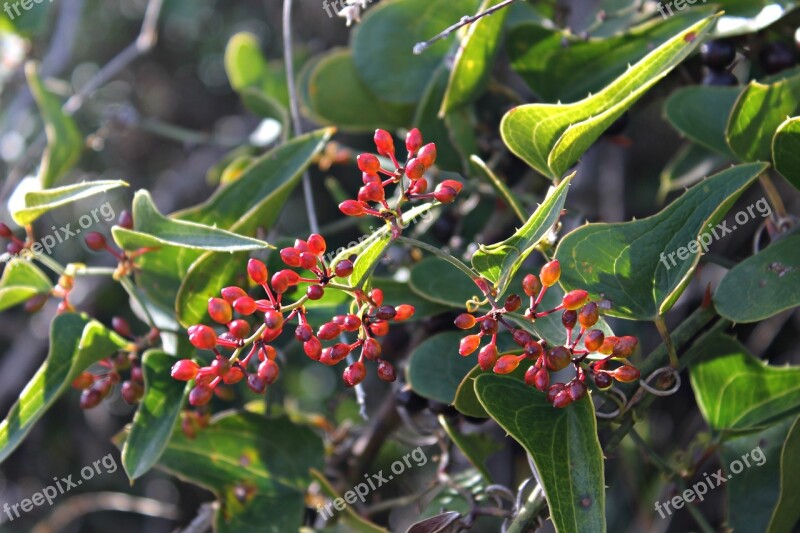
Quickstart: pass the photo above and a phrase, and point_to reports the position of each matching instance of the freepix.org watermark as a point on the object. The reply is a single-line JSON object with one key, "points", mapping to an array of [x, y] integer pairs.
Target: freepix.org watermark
{"points": [[721, 230], [61, 486], [12, 9], [701, 488], [373, 482], [680, 5], [330, 6]]}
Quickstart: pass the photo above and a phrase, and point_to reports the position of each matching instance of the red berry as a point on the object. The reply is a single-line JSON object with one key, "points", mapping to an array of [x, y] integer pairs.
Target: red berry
{"points": [[413, 141], [384, 143], [371, 349], [202, 337], [280, 282], [531, 285], [521, 337], [386, 312], [308, 260], [625, 347], [184, 370], [603, 380], [593, 340], [268, 371], [553, 391], [558, 358], [200, 395], [513, 302], [291, 256], [245, 306], [541, 379], [371, 192], [354, 374], [270, 335], [121, 326], [231, 294], [303, 333], [220, 366], [427, 155], [353, 208], [239, 328], [530, 375], [256, 384], [576, 390], [626, 374], [351, 323], [344, 268], [315, 292], [125, 220], [313, 348], [379, 328], [469, 344], [569, 319], [35, 303], [5, 231], [419, 187], [487, 357], [316, 244], [90, 398], [550, 273], [386, 371], [273, 319], [368, 163], [404, 312], [219, 310], [575, 299], [488, 326], [444, 194], [329, 331], [131, 392], [376, 295], [301, 245], [506, 364], [234, 376], [370, 178], [465, 321], [415, 169], [562, 399], [257, 271], [607, 347], [83, 381], [589, 315], [95, 241]]}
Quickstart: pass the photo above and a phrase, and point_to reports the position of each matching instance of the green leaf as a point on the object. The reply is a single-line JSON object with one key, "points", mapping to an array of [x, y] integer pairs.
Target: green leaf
{"points": [[248, 69], [736, 391], [333, 86], [757, 114], [701, 114], [264, 106], [76, 342], [786, 150], [206, 277], [369, 258], [551, 138], [786, 514], [351, 520], [156, 415], [475, 58], [687, 167], [563, 445], [21, 281], [753, 492], [268, 460], [467, 401], [390, 30], [561, 66], [634, 264], [476, 447], [500, 186], [762, 285], [154, 230], [426, 282], [64, 140], [435, 369], [499, 262], [38, 203]]}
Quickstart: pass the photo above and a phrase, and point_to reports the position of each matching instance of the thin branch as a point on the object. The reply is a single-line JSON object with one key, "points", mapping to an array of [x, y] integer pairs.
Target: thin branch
{"points": [[664, 332], [420, 47]]}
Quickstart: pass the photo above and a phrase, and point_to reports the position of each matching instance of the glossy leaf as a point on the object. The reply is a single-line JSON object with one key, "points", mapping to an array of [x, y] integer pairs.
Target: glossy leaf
{"points": [[426, 282], [155, 416], [701, 114], [21, 281], [563, 445], [643, 266], [688, 167], [786, 150], [435, 369], [759, 111], [477, 447], [64, 140], [390, 30], [499, 262], [76, 343], [368, 259], [763, 285], [266, 461], [475, 58], [38, 203], [467, 401], [737, 391], [786, 514], [247, 68], [551, 138]]}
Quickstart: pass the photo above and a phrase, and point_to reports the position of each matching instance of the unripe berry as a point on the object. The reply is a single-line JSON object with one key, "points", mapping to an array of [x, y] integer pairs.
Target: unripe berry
{"points": [[530, 375], [513, 302], [245, 306], [308, 260], [562, 399], [200, 395], [487, 357], [589, 315], [83, 381], [533, 349], [279, 282], [184, 370], [256, 384], [488, 326], [625, 347], [465, 321], [95, 241], [379, 328], [558, 358], [90, 398], [131, 392], [354, 374], [384, 143], [413, 141], [575, 299], [14, 248], [202, 337], [386, 312], [593, 340], [351, 323], [343, 268], [626, 374], [541, 379], [313, 348], [506, 364], [376, 295], [270, 335], [603, 380], [370, 178], [315, 292], [419, 186], [5, 231], [234, 376], [415, 169], [371, 192], [291, 256], [569, 319], [445, 194], [576, 390], [35, 303], [353, 208], [268, 371], [371, 349], [121, 326], [550, 273], [273, 319], [521, 337], [240, 329], [607, 348], [301, 245], [257, 271], [531, 285], [368, 163], [553, 391], [329, 331], [317, 244], [404, 312], [303, 333], [469, 344], [220, 366], [219, 310], [427, 155], [231, 294], [386, 371], [125, 220]]}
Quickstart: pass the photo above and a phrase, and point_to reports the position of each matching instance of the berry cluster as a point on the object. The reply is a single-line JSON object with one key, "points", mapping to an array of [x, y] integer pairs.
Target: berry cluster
{"points": [[577, 311], [272, 313], [15, 246], [419, 160]]}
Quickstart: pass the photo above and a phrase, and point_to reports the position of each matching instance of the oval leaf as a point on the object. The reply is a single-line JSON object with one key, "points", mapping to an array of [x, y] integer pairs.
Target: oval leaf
{"points": [[786, 150], [701, 114], [21, 281], [38, 203]]}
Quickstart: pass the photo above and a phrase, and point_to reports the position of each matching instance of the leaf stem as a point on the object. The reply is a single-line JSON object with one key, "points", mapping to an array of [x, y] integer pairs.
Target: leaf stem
{"points": [[529, 512], [444, 255], [773, 195], [662, 329], [50, 263]]}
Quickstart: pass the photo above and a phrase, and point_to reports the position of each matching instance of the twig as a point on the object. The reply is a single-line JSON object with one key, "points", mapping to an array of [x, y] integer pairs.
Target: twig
{"points": [[664, 332], [420, 47], [203, 521]]}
